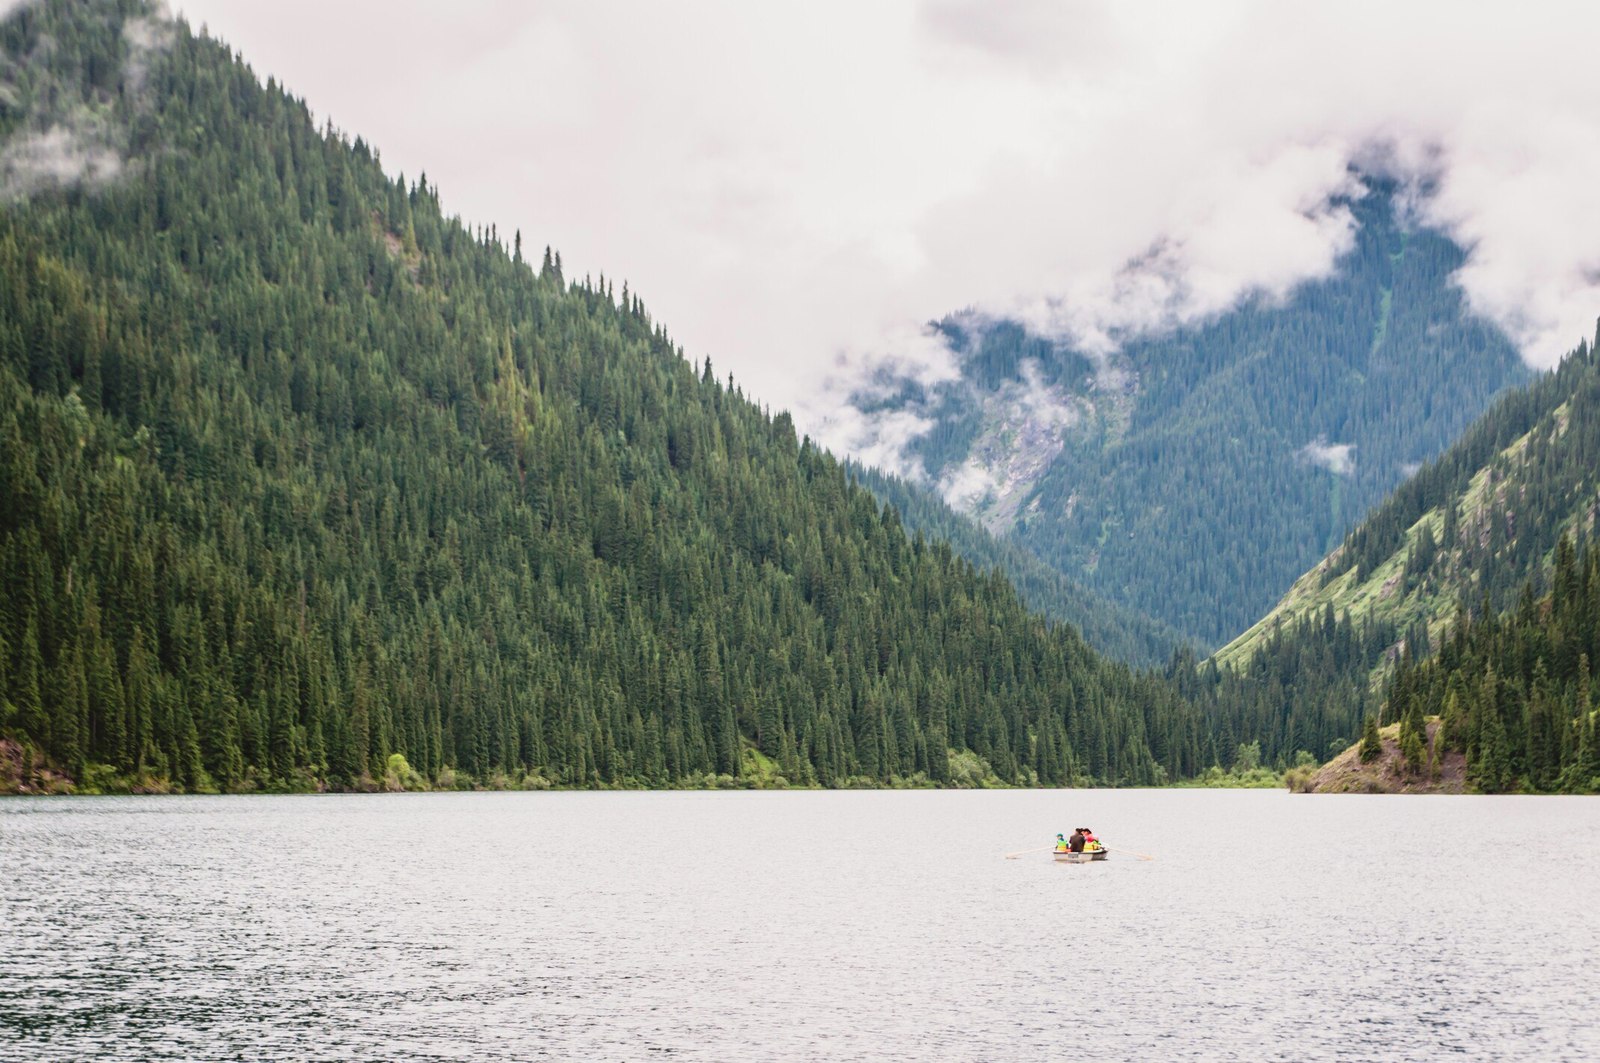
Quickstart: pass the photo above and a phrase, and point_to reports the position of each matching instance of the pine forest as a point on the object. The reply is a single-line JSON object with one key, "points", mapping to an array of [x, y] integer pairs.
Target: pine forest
{"points": [[308, 485]]}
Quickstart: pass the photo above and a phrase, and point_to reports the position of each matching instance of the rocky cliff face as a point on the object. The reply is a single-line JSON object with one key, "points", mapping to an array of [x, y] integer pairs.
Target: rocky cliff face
{"points": [[1024, 426]]}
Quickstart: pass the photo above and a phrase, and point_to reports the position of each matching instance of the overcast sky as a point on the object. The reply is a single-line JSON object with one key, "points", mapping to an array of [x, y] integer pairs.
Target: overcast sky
{"points": [[794, 189]]}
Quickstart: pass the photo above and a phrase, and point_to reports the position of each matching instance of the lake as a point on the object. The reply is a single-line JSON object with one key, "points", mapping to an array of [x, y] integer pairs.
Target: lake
{"points": [[799, 926]]}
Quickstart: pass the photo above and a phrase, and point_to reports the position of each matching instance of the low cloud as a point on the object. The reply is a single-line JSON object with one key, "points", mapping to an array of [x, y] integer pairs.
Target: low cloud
{"points": [[966, 485], [59, 157], [145, 39], [784, 186], [1337, 458], [881, 439], [70, 141], [840, 408]]}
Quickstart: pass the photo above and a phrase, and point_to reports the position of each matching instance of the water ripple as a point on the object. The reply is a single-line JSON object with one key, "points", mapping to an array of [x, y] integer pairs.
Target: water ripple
{"points": [[844, 926]]}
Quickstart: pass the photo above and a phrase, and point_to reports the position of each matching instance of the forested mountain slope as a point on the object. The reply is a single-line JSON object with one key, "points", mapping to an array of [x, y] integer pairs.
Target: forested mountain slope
{"points": [[1514, 693], [1471, 535], [301, 477], [1477, 525], [1111, 629], [1193, 476]]}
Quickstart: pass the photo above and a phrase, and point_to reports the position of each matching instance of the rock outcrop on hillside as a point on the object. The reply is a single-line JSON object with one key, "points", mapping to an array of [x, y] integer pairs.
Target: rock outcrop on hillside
{"points": [[22, 771], [1444, 771]]}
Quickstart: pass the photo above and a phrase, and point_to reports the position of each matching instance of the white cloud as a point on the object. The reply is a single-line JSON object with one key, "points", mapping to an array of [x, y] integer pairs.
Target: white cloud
{"points": [[879, 439], [964, 486], [787, 183], [1337, 458], [144, 37], [59, 156]]}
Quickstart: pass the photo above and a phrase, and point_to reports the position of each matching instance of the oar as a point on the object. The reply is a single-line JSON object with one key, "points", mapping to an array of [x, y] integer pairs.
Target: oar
{"points": [[1025, 852], [1130, 852]]}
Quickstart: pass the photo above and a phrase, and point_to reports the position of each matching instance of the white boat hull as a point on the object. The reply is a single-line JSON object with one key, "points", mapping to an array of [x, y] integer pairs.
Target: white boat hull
{"points": [[1082, 858]]}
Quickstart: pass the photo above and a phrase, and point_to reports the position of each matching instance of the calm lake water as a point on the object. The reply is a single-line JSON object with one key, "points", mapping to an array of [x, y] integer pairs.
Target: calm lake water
{"points": [[799, 926]]}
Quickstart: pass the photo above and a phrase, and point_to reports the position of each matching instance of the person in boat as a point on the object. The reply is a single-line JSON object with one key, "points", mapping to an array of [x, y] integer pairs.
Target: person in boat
{"points": [[1089, 840], [1076, 843], [1061, 843]]}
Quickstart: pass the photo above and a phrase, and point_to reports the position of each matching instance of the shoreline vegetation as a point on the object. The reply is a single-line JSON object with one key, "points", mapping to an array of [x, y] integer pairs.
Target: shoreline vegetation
{"points": [[26, 772]]}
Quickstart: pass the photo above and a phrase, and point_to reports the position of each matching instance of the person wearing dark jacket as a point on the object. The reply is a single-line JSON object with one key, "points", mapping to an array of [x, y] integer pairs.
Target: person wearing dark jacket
{"points": [[1075, 843]]}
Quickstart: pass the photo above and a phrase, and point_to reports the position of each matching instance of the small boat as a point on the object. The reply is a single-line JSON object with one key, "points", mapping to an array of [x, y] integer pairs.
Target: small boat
{"points": [[1083, 857]]}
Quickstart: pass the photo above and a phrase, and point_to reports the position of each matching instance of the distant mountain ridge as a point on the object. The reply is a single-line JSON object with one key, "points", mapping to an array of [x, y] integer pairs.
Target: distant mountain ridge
{"points": [[1192, 476]]}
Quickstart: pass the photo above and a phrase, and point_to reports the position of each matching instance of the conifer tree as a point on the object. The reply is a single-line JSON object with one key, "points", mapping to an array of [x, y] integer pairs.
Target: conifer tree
{"points": [[1371, 746]]}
